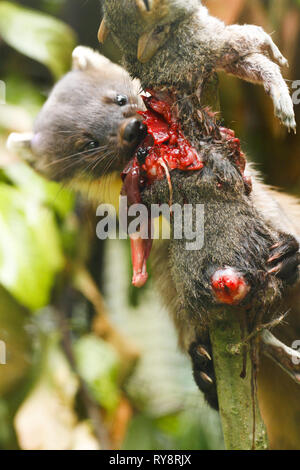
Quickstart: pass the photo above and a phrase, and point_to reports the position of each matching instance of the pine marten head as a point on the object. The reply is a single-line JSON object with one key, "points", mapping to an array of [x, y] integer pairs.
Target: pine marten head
{"points": [[89, 125]]}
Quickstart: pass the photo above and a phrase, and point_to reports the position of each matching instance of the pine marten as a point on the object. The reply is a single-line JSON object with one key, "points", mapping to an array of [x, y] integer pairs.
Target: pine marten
{"points": [[278, 209]]}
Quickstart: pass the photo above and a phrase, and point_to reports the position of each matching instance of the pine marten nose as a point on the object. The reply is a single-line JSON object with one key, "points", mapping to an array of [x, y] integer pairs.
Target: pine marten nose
{"points": [[133, 131]]}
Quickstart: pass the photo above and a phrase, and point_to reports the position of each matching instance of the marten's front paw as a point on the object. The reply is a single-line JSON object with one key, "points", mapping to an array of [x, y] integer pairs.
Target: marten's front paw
{"points": [[204, 374], [284, 260]]}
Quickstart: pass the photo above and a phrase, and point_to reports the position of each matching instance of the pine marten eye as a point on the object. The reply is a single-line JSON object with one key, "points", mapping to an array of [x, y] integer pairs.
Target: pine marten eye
{"points": [[92, 145], [121, 100]]}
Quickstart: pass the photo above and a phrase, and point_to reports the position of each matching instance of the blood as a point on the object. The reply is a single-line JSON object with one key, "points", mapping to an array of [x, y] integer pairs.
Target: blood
{"points": [[229, 286], [164, 149], [165, 141], [140, 248], [234, 144], [140, 251]]}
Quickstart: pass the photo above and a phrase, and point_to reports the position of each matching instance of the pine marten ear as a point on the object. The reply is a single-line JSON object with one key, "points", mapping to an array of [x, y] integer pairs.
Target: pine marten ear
{"points": [[85, 59], [18, 140], [20, 144]]}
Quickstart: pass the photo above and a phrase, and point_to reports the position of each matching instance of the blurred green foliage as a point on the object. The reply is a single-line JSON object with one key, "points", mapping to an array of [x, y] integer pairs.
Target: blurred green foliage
{"points": [[101, 376], [30, 246], [38, 36]]}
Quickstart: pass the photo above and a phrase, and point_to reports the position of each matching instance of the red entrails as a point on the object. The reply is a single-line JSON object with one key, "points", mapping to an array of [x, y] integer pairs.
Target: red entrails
{"points": [[165, 149], [167, 142]]}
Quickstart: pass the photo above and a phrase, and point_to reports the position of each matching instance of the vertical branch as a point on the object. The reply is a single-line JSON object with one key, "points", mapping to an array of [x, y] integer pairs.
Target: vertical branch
{"points": [[235, 394]]}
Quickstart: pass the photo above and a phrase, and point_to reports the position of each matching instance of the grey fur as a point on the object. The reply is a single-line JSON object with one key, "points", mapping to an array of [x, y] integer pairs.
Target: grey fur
{"points": [[194, 45], [81, 108], [236, 235]]}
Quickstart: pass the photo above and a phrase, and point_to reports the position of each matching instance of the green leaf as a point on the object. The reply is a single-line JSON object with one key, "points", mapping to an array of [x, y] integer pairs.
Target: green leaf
{"points": [[38, 36], [30, 250], [98, 365], [43, 191], [18, 345]]}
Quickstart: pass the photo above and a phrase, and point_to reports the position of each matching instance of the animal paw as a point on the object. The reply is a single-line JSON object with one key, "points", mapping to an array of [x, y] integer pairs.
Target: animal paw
{"points": [[203, 371], [284, 260], [277, 56], [284, 110]]}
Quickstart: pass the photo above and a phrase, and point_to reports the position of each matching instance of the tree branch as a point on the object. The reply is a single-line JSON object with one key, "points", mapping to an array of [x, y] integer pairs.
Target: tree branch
{"points": [[235, 394]]}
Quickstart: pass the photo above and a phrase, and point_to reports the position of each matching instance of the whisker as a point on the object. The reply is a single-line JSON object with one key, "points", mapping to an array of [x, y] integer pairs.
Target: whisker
{"points": [[101, 157], [79, 154]]}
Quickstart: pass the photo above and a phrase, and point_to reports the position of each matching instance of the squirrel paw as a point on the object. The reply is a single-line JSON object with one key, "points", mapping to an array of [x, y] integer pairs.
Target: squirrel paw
{"points": [[284, 110], [284, 260], [276, 55], [203, 371]]}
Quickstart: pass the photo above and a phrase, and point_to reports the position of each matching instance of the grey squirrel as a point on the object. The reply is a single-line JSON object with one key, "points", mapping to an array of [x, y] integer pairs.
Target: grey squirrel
{"points": [[174, 46], [237, 262], [186, 45], [280, 210]]}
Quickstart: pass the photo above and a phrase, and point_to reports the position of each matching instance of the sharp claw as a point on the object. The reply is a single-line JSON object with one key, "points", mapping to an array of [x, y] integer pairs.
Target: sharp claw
{"points": [[206, 378], [276, 269], [277, 245], [274, 258], [286, 250], [203, 352]]}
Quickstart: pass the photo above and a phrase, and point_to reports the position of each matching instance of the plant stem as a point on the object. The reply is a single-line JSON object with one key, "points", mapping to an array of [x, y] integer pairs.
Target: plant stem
{"points": [[235, 394]]}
